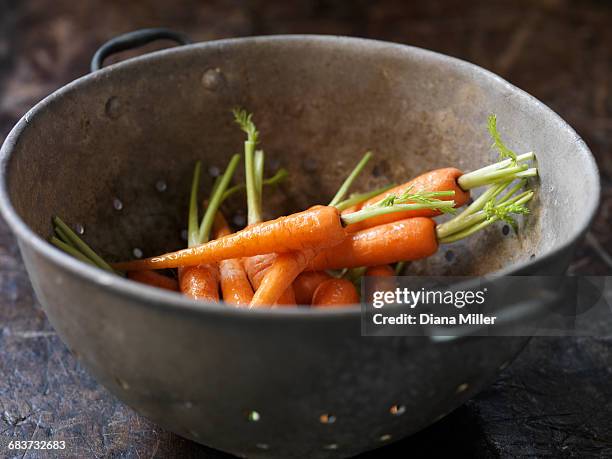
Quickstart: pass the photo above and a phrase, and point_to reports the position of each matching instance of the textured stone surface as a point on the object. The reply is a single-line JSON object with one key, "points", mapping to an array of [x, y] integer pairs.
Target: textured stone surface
{"points": [[554, 400]]}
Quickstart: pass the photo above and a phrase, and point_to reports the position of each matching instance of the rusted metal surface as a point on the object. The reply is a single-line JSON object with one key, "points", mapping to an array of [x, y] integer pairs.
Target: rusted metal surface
{"points": [[45, 395]]}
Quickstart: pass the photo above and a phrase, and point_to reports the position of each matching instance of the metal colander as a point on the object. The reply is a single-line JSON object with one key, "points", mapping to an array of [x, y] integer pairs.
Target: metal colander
{"points": [[113, 152]]}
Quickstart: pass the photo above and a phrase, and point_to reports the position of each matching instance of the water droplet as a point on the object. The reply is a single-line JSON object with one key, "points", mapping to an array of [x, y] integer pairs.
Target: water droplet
{"points": [[161, 186], [113, 108], [137, 252], [253, 416], [331, 446], [385, 437], [214, 171], [262, 446], [213, 79], [184, 235], [80, 229], [397, 410], [117, 204]]}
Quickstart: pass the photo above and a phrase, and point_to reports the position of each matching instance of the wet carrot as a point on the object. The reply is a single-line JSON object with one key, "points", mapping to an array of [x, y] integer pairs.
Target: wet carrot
{"points": [[235, 285], [335, 292], [200, 282], [306, 283], [284, 269], [257, 268], [409, 239], [437, 180], [154, 279]]}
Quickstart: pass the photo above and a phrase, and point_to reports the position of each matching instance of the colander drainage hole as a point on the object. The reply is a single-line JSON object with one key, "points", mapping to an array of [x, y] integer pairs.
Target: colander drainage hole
{"points": [[214, 171], [397, 410], [505, 230], [253, 416], [80, 229], [161, 186], [327, 418], [137, 252]]}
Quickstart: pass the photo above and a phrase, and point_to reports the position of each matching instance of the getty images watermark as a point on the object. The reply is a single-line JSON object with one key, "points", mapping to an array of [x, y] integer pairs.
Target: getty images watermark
{"points": [[451, 307]]}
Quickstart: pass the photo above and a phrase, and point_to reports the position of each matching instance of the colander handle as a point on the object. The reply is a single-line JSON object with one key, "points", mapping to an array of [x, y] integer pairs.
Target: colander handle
{"points": [[133, 40]]}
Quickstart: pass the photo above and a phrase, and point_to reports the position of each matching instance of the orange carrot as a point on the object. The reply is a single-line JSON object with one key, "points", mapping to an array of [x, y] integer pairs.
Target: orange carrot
{"points": [[235, 285], [335, 292], [380, 271], [200, 282], [257, 268], [153, 279], [306, 283], [319, 226], [409, 239], [436, 180], [284, 269]]}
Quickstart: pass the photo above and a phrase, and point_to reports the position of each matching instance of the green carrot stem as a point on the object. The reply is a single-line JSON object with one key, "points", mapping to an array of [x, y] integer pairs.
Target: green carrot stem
{"points": [[280, 175], [350, 179], [374, 211], [64, 237], [510, 192], [519, 200], [467, 217], [474, 179], [504, 163], [215, 184], [531, 172], [253, 202], [245, 121], [474, 213], [215, 200], [259, 172], [193, 227], [70, 250], [357, 198], [81, 245]]}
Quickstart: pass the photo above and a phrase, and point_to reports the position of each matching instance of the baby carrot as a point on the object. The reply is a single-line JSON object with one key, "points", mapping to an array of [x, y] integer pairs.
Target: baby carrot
{"points": [[235, 285], [453, 179], [281, 273], [201, 282], [437, 180], [256, 267], [306, 283], [154, 279], [335, 292], [418, 237], [408, 239], [287, 267], [320, 226]]}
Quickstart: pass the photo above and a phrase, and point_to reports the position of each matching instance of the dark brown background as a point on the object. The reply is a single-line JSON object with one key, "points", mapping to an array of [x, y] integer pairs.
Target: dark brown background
{"points": [[556, 399]]}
